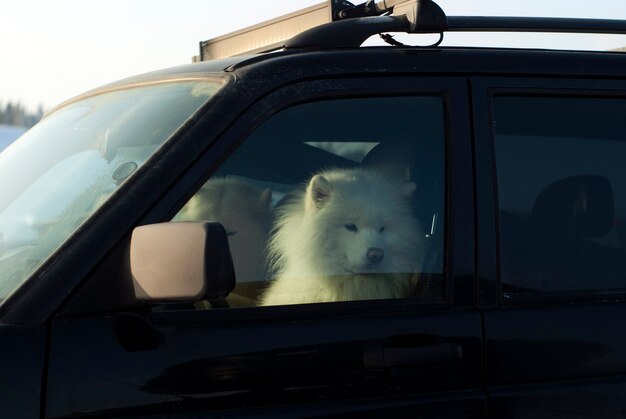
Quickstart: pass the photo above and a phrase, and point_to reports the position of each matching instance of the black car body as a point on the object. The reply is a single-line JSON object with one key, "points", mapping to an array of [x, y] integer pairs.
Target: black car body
{"points": [[522, 317]]}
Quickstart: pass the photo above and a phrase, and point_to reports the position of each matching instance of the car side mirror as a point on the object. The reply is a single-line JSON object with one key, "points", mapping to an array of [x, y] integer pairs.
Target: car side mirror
{"points": [[181, 261]]}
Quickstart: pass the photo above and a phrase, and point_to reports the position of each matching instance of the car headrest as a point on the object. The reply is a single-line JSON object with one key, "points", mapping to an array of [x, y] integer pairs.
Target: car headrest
{"points": [[577, 206], [393, 159]]}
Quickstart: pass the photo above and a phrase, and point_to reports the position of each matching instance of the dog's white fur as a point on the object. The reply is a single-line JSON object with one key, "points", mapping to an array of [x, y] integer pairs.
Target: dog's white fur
{"points": [[245, 213], [322, 238]]}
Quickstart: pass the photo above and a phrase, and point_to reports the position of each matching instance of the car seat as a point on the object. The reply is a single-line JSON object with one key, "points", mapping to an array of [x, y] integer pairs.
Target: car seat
{"points": [[569, 216]]}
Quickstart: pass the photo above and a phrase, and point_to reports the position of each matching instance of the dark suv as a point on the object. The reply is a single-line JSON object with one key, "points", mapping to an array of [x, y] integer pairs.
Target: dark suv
{"points": [[143, 227]]}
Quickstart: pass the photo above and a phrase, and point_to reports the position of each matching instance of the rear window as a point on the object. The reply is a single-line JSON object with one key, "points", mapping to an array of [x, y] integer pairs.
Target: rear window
{"points": [[561, 193]]}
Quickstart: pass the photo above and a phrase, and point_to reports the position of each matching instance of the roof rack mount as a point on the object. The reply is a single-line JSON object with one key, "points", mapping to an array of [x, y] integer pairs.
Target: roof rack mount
{"points": [[412, 16]]}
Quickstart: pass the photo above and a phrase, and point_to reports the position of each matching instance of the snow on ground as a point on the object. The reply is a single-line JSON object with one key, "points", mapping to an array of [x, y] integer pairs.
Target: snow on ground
{"points": [[8, 134]]}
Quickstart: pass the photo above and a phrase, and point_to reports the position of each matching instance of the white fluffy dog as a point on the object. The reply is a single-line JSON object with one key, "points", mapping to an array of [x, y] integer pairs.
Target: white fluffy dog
{"points": [[351, 235]]}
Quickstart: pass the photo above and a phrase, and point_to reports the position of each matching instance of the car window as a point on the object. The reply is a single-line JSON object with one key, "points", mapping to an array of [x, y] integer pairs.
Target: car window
{"points": [[61, 171], [561, 192], [324, 202]]}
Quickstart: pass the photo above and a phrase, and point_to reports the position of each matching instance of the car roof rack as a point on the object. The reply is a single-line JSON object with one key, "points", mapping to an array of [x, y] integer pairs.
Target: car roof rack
{"points": [[273, 34], [341, 24]]}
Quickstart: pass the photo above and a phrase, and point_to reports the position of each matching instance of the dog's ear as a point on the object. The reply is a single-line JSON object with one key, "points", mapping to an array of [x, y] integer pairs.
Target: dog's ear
{"points": [[265, 199], [408, 188], [318, 191]]}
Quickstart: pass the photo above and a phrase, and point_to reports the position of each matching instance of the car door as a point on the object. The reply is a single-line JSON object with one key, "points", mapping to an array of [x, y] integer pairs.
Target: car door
{"points": [[418, 355], [551, 203]]}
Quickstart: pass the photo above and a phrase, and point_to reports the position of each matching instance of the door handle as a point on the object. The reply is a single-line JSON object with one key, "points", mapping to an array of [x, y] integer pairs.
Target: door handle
{"points": [[379, 359]]}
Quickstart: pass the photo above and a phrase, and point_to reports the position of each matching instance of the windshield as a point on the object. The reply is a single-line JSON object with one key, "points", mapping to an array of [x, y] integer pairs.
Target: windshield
{"points": [[58, 173]]}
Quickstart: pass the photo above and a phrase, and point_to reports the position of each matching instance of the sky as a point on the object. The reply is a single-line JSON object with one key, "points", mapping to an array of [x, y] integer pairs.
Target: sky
{"points": [[51, 51]]}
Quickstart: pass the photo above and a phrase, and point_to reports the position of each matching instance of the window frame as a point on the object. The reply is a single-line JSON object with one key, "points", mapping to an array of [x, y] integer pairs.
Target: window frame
{"points": [[458, 283], [490, 288]]}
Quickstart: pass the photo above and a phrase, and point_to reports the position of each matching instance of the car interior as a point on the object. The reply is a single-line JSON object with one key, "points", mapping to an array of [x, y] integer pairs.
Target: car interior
{"points": [[286, 151]]}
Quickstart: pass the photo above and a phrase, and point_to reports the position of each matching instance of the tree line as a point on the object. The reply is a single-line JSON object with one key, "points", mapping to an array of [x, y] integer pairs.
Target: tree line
{"points": [[14, 113]]}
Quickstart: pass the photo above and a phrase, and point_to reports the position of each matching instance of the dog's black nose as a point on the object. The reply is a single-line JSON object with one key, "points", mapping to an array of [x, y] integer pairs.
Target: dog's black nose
{"points": [[375, 256]]}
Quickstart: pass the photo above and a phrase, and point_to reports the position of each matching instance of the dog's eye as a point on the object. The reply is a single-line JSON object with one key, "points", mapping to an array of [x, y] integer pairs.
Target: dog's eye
{"points": [[231, 233], [351, 227], [381, 229]]}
